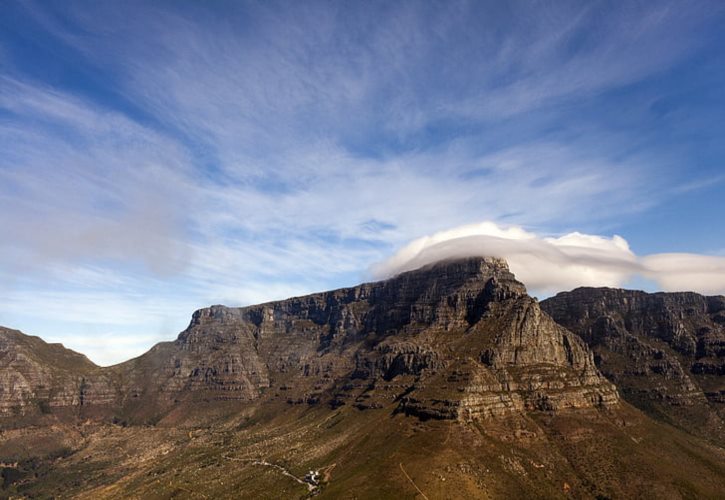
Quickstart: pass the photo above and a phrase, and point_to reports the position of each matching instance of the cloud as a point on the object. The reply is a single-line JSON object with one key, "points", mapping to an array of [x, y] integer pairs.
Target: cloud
{"points": [[80, 182], [261, 80], [686, 271], [551, 264], [83, 183], [271, 125], [175, 155]]}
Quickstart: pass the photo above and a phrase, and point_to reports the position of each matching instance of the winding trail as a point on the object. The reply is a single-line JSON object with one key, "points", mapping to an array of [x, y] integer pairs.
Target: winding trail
{"points": [[412, 482], [310, 487]]}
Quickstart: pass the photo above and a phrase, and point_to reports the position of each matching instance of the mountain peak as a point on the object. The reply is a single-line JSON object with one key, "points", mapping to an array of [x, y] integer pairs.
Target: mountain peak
{"points": [[465, 279], [483, 264], [415, 328]]}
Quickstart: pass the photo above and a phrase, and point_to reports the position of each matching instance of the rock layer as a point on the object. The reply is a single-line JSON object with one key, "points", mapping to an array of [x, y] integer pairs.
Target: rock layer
{"points": [[664, 351], [37, 377], [458, 339]]}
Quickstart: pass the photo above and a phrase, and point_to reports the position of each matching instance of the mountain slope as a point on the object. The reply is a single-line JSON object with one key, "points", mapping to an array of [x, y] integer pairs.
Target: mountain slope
{"points": [[444, 382], [664, 351], [457, 339], [451, 340], [37, 377]]}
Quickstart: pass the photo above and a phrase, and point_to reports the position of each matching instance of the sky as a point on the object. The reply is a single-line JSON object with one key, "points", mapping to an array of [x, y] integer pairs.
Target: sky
{"points": [[158, 157]]}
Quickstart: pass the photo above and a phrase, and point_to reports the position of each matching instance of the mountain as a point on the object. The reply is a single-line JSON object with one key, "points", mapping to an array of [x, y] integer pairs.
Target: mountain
{"points": [[37, 377], [664, 351], [346, 346], [446, 381]]}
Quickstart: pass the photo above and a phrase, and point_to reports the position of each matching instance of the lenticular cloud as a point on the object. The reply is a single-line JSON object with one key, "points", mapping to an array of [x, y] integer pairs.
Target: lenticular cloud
{"points": [[548, 264]]}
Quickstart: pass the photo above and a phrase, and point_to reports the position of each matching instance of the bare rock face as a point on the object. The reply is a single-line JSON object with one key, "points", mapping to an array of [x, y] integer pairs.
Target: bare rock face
{"points": [[458, 340], [665, 351], [37, 377], [403, 340], [515, 359]]}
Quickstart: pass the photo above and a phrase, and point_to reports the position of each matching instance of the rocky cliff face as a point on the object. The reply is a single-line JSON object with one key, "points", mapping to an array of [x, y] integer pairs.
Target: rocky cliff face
{"points": [[664, 351], [454, 340], [38, 378], [458, 340], [248, 400]]}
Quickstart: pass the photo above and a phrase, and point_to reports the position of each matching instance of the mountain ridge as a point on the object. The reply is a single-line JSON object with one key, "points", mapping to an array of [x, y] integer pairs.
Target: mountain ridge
{"points": [[378, 330], [665, 350], [450, 377]]}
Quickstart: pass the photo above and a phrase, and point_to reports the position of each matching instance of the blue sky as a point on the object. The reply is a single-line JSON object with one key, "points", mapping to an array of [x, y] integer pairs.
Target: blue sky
{"points": [[157, 157]]}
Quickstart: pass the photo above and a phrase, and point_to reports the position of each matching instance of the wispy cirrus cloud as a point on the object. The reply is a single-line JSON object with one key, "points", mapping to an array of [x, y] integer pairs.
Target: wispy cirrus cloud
{"points": [[195, 156], [264, 79]]}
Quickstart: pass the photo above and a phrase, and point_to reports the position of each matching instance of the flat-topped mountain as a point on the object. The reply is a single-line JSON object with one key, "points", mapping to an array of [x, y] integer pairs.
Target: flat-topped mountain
{"points": [[449, 381], [456, 339], [664, 351]]}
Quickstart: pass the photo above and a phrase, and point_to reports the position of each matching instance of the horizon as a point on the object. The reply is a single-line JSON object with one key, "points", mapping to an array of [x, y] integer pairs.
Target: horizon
{"points": [[158, 157], [172, 338]]}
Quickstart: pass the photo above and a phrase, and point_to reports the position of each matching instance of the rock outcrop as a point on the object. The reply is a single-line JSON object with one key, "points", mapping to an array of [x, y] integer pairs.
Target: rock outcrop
{"points": [[664, 351], [458, 339], [39, 378]]}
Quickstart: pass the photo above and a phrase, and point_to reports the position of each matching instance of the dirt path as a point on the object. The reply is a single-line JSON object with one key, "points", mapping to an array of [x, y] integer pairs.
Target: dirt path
{"points": [[412, 482], [310, 487]]}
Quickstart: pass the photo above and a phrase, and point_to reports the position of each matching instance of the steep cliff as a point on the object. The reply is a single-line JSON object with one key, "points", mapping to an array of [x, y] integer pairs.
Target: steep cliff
{"points": [[458, 339], [444, 382], [664, 351]]}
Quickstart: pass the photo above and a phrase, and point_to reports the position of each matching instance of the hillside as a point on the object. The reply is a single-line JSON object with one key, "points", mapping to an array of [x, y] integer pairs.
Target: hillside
{"points": [[664, 351], [447, 381]]}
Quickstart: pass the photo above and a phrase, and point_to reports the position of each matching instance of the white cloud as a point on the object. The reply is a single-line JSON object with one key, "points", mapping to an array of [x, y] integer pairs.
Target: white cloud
{"points": [[117, 231], [550, 264], [272, 152], [686, 271]]}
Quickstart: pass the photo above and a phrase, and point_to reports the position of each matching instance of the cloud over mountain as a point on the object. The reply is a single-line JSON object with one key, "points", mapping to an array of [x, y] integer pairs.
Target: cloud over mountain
{"points": [[551, 264]]}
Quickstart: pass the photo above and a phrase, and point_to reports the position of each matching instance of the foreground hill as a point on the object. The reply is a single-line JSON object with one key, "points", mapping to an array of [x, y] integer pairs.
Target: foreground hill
{"points": [[448, 381]]}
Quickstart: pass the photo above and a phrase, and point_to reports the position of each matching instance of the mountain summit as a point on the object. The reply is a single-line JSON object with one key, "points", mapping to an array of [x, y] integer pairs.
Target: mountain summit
{"points": [[461, 339]]}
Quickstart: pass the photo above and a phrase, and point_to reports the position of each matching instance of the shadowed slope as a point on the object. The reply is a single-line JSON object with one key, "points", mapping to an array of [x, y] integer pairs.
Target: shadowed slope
{"points": [[665, 351]]}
